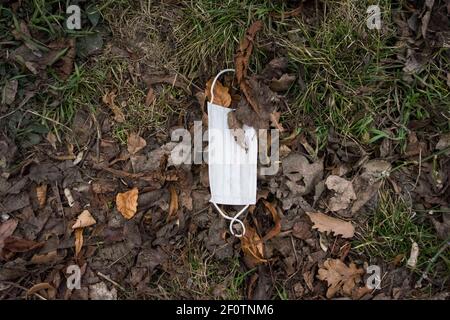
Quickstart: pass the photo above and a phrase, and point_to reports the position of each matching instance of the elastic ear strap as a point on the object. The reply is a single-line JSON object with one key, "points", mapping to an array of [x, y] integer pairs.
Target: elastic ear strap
{"points": [[215, 80], [233, 219]]}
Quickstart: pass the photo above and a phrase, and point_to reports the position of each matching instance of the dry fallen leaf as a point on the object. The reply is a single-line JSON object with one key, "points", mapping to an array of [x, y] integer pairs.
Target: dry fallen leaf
{"points": [[252, 246], [237, 131], [344, 193], [9, 91], [78, 241], [135, 143], [69, 197], [84, 220], [7, 229], [444, 142], [442, 228], [127, 203], [339, 277], [302, 176], [100, 291], [282, 84], [325, 223], [242, 62], [39, 287], [15, 244], [368, 182], [45, 258], [412, 261], [221, 95], [150, 97], [173, 206], [51, 138], [108, 99], [276, 219], [41, 194]]}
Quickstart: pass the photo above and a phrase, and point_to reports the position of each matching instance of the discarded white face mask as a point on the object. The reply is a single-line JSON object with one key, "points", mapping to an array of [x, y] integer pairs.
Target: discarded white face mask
{"points": [[232, 168]]}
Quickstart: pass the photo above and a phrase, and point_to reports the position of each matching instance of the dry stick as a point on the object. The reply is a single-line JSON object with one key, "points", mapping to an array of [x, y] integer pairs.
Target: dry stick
{"points": [[111, 280], [438, 153], [114, 262], [28, 96], [60, 207], [99, 136], [8, 114], [433, 260], [420, 170]]}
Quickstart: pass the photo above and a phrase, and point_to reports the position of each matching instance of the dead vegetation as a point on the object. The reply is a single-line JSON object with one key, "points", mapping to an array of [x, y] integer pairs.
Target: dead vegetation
{"points": [[85, 171]]}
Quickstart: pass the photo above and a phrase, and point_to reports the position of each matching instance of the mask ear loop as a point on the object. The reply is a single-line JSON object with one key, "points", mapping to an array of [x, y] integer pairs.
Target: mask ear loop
{"points": [[235, 219], [215, 80]]}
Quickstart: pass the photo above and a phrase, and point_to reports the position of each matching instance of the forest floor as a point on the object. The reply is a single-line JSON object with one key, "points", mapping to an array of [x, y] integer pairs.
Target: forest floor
{"points": [[86, 178]]}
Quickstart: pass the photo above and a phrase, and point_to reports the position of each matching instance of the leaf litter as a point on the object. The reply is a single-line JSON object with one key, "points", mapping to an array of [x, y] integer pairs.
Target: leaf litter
{"points": [[146, 211]]}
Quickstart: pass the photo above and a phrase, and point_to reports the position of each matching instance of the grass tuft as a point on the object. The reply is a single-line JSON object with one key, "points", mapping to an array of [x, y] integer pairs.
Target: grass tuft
{"points": [[389, 234]]}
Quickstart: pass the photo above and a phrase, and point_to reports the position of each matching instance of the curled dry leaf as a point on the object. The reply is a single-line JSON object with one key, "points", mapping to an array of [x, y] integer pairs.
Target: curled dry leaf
{"points": [[78, 241], [325, 223], [7, 229], [344, 193], [45, 258], [252, 246], [84, 220], [41, 194], [276, 219], [69, 197], [221, 95], [127, 203], [150, 97], [340, 277], [135, 143], [242, 62], [39, 287], [108, 99], [412, 261], [15, 244], [173, 206], [282, 84], [237, 131], [368, 182], [51, 138]]}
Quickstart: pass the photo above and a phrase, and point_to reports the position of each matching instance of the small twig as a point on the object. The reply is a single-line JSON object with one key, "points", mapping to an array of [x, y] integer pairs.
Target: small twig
{"points": [[8, 114], [110, 280], [114, 262], [295, 250], [99, 136], [432, 261], [420, 170], [438, 153], [200, 211], [55, 190]]}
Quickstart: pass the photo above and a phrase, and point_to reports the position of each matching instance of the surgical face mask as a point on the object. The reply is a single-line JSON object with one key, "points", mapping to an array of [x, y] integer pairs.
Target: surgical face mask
{"points": [[232, 166]]}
